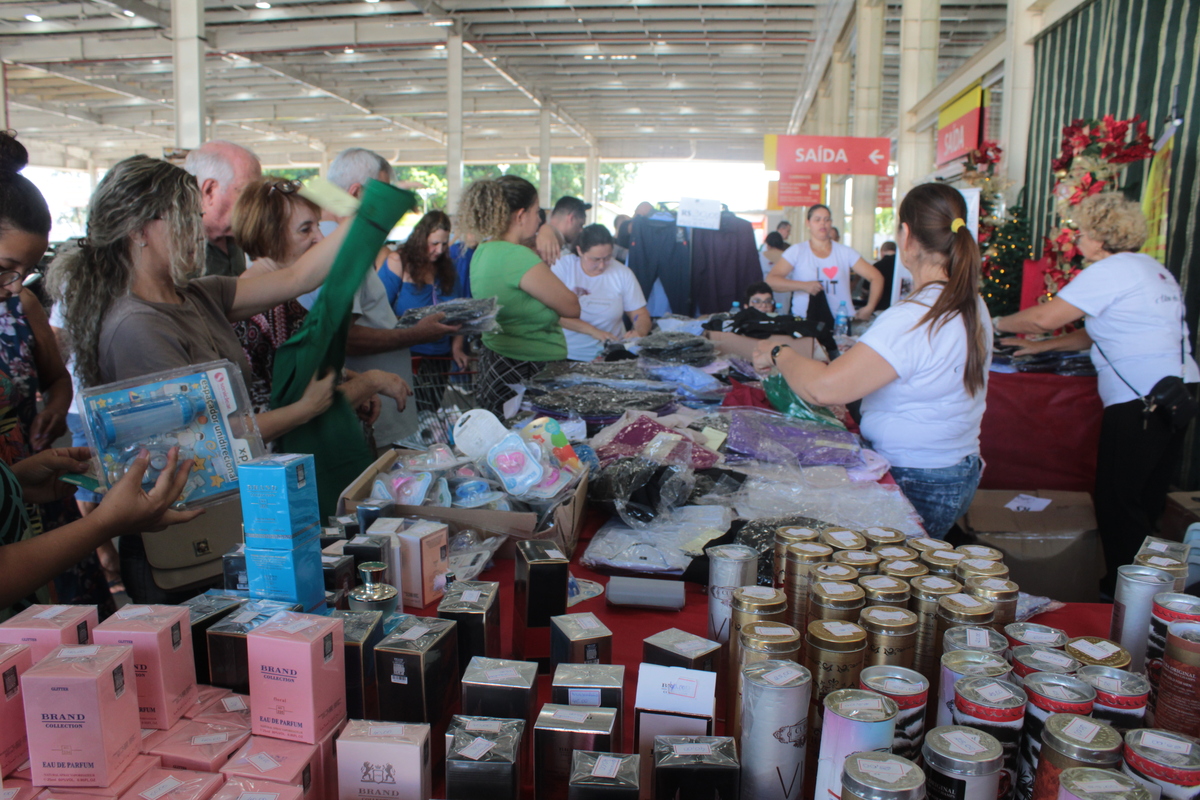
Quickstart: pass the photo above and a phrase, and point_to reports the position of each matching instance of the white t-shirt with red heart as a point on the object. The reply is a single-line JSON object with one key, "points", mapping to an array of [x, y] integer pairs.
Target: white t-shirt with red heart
{"points": [[832, 271]]}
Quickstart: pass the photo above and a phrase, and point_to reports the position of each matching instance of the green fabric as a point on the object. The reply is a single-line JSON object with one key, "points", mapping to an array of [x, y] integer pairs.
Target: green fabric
{"points": [[335, 438], [781, 396], [529, 329]]}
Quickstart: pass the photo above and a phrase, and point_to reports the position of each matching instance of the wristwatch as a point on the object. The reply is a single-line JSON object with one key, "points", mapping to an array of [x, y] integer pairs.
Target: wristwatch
{"points": [[775, 353]]}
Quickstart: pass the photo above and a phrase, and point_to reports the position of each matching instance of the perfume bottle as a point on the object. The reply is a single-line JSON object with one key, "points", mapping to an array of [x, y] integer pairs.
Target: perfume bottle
{"points": [[373, 595]]}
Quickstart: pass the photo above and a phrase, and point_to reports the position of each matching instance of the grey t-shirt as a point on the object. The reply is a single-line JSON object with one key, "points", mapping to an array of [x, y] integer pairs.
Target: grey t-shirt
{"points": [[139, 337]]}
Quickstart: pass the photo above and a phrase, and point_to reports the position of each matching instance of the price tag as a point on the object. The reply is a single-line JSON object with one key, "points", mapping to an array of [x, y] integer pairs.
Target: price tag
{"points": [[965, 600], [477, 749], [331, 559], [606, 767], [133, 612], [583, 697], [844, 537], [234, 703], [387, 730], [696, 213], [950, 555], [995, 693], [978, 563], [691, 645], [162, 787], [258, 796], [8, 794], [1081, 730], [1101, 787], [1052, 657], [782, 675], [148, 731], [1041, 636], [1096, 650], [1058, 692], [682, 687], [773, 630], [588, 622], [761, 592], [1165, 744], [841, 628], [939, 583], [51, 612], [1160, 547], [888, 616], [298, 625], [892, 552], [977, 637], [898, 686], [868, 704], [1108, 684], [78, 652], [994, 583], [263, 762], [877, 582], [244, 617], [503, 674], [836, 588], [963, 742], [484, 725], [571, 716], [552, 553], [1159, 561], [413, 633], [859, 555], [210, 738], [471, 596], [692, 749], [890, 771]]}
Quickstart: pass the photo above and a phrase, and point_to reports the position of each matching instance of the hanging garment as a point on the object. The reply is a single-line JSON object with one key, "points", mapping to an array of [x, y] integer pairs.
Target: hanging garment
{"points": [[724, 263], [659, 251], [336, 438]]}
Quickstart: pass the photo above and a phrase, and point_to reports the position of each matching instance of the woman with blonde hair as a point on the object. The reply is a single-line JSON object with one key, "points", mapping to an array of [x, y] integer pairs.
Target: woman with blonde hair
{"points": [[1134, 315], [502, 213]]}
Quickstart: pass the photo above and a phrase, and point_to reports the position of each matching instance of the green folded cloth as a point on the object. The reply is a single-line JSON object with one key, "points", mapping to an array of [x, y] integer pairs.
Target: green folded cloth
{"points": [[335, 438]]}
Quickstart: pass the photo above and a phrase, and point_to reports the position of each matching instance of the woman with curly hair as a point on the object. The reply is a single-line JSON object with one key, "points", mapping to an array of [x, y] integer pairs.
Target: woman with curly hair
{"points": [[1134, 315], [503, 213]]}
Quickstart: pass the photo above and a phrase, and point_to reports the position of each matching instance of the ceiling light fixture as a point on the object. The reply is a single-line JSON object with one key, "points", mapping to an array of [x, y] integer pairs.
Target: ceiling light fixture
{"points": [[372, 1], [442, 23], [348, 51], [263, 4], [33, 18], [128, 13], [439, 47]]}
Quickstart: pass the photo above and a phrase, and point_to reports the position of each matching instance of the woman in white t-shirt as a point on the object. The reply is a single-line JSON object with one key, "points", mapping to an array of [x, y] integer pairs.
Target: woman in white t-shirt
{"points": [[823, 265], [1136, 330], [607, 291], [921, 368]]}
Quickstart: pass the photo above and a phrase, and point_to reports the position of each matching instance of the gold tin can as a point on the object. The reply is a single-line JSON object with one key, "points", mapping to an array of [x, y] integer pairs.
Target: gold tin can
{"points": [[980, 568], [1001, 593], [925, 544], [891, 636], [884, 590], [895, 552], [980, 551], [844, 539], [961, 609], [907, 570], [926, 591], [835, 600], [833, 572], [942, 562], [1096, 651], [760, 641], [785, 536], [1172, 566], [877, 536], [866, 563], [750, 604], [834, 651], [801, 558]]}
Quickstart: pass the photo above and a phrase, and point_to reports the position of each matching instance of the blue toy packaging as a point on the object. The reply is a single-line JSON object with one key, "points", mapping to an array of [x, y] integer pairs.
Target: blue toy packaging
{"points": [[203, 409]]}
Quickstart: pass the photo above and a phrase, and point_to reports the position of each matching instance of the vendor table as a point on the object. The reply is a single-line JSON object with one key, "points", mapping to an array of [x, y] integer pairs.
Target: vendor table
{"points": [[1040, 432]]}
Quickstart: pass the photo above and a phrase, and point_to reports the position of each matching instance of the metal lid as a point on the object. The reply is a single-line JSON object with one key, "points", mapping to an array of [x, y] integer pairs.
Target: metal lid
{"points": [[861, 705], [974, 637], [794, 533], [931, 587], [971, 567], [893, 681], [991, 693], [836, 594], [883, 776], [859, 559], [373, 589], [895, 552], [925, 543], [776, 674], [1113, 681], [959, 607], [888, 620], [1169, 756], [974, 662], [1044, 659], [833, 572], [876, 535], [904, 569], [941, 562], [844, 539], [1089, 783], [980, 551], [994, 589], [1053, 689], [808, 553], [1032, 633], [885, 586], [1147, 575], [960, 750], [1158, 561], [732, 552], [1176, 605], [1082, 738], [759, 600], [836, 635], [770, 637], [1098, 651]]}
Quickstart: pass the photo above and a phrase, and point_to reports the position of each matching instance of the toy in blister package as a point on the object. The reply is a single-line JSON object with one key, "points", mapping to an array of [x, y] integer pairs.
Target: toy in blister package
{"points": [[547, 433], [203, 409]]}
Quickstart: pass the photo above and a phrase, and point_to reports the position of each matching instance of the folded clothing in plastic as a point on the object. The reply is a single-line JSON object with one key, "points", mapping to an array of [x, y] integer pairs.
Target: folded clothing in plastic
{"points": [[677, 347], [629, 435], [475, 315], [593, 401], [659, 547], [758, 435]]}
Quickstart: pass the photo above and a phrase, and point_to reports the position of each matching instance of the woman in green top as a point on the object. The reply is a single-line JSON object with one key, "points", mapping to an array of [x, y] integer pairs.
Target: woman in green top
{"points": [[502, 214]]}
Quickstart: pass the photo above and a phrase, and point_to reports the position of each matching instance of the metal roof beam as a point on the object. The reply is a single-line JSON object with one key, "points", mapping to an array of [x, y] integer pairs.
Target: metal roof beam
{"points": [[837, 13]]}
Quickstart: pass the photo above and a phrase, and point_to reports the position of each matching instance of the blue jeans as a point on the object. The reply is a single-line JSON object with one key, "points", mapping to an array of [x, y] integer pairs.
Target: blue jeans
{"points": [[940, 495]]}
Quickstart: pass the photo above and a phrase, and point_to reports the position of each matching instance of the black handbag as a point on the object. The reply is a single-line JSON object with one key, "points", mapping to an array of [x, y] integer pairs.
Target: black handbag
{"points": [[1170, 397]]}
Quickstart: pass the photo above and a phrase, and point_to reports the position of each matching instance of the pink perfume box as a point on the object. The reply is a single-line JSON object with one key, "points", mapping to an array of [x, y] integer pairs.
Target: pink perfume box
{"points": [[153, 737], [175, 784], [275, 760], [21, 790], [383, 759], [206, 696], [236, 788], [44, 628], [81, 714], [424, 554], [15, 660], [325, 777], [202, 746], [297, 677], [140, 766], [233, 709], [161, 638]]}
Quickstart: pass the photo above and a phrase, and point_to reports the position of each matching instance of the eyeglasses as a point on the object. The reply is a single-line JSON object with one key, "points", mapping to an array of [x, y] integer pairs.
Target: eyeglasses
{"points": [[770, 302], [285, 187], [9, 277]]}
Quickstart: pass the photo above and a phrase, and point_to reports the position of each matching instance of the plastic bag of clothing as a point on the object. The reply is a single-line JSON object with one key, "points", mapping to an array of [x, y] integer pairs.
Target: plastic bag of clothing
{"points": [[628, 435], [758, 435], [676, 347], [592, 401], [674, 323], [475, 315], [848, 505], [648, 485], [784, 400], [690, 382], [664, 547]]}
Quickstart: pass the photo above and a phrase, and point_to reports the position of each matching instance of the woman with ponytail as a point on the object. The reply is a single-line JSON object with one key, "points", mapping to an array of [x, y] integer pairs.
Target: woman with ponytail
{"points": [[502, 214], [921, 368]]}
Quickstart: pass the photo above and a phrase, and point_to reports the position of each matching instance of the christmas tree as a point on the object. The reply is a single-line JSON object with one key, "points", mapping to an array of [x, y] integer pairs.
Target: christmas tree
{"points": [[1003, 261]]}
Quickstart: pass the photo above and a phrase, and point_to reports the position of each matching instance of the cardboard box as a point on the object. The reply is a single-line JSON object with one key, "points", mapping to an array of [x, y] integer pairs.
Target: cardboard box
{"points": [[161, 638], [202, 746], [205, 697], [424, 559], [175, 784], [1183, 509], [384, 759], [279, 500], [671, 701], [297, 677], [15, 661], [567, 518], [236, 788], [1054, 552], [267, 759], [124, 782], [293, 576], [44, 628]]}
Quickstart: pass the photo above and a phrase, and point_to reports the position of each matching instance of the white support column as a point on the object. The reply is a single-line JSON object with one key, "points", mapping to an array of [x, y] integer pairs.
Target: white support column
{"points": [[544, 189], [591, 182], [3, 96], [1017, 105], [915, 152], [187, 28], [868, 97], [839, 103], [454, 119]]}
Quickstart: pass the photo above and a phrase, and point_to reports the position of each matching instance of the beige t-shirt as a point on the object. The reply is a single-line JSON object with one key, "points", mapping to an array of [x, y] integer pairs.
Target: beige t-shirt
{"points": [[139, 337]]}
